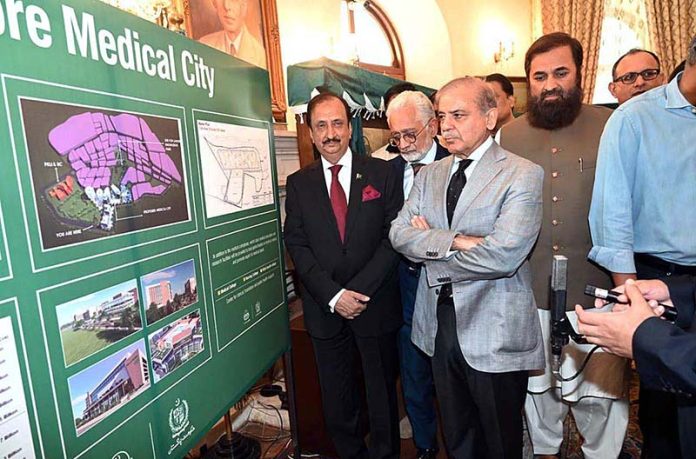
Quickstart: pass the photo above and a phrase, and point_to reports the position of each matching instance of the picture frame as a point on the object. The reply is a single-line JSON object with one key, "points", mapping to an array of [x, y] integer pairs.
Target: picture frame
{"points": [[261, 22]]}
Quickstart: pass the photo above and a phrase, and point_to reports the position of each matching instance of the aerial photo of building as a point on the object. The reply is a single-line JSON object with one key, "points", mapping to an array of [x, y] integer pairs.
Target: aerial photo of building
{"points": [[176, 343]]}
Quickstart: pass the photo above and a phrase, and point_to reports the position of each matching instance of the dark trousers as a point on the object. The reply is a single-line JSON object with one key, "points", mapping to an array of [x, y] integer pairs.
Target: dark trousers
{"points": [[481, 412], [340, 391], [657, 410], [416, 372]]}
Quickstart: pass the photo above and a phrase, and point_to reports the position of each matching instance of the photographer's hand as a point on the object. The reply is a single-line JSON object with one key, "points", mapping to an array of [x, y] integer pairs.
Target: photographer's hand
{"points": [[614, 331]]}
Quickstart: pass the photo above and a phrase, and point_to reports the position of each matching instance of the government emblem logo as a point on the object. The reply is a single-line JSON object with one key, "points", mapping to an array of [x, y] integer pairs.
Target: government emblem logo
{"points": [[178, 417]]}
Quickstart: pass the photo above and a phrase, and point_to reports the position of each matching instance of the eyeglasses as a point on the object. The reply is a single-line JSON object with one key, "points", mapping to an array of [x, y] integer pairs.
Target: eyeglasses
{"points": [[630, 77], [409, 137]]}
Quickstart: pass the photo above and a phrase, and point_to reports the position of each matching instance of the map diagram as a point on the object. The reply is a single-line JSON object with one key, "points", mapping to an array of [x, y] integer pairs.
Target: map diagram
{"points": [[97, 173], [236, 167]]}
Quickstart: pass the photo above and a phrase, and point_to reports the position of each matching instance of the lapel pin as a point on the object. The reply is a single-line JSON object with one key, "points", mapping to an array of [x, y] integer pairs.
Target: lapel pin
{"points": [[358, 176]]}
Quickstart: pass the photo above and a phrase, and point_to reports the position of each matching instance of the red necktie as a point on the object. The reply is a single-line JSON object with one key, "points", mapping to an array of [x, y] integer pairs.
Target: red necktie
{"points": [[338, 201]]}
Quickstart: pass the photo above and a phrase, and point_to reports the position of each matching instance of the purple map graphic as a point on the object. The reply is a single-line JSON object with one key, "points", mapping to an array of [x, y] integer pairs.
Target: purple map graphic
{"points": [[94, 143]]}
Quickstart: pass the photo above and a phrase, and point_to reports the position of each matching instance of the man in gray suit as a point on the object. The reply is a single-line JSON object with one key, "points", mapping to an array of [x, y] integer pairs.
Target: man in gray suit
{"points": [[472, 219]]}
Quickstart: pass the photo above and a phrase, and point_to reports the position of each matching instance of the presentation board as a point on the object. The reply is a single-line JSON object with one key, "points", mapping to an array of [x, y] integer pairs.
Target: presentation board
{"points": [[141, 270]]}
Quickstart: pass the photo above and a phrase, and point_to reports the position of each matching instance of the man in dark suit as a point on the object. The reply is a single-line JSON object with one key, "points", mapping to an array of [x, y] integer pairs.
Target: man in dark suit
{"points": [[665, 353], [338, 213], [413, 126]]}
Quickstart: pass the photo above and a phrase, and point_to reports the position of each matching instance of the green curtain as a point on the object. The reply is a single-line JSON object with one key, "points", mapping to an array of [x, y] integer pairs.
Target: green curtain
{"points": [[362, 89]]}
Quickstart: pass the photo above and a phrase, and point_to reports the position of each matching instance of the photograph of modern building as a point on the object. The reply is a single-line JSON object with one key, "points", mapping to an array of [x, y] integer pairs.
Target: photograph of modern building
{"points": [[99, 390], [169, 290], [175, 344], [90, 323]]}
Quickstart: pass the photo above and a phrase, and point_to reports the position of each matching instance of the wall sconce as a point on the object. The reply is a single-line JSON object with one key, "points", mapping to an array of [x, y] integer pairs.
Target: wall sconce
{"points": [[505, 51]]}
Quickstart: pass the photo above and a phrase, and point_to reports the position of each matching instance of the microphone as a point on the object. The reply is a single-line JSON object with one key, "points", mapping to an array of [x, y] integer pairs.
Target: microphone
{"points": [[559, 282], [613, 297]]}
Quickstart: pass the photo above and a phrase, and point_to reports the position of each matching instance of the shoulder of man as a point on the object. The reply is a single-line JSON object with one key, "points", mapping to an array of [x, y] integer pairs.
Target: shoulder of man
{"points": [[517, 163], [212, 39], [303, 172], [596, 112]]}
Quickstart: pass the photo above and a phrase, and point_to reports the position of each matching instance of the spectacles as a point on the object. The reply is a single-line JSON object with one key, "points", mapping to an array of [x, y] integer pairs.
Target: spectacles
{"points": [[630, 77], [409, 137]]}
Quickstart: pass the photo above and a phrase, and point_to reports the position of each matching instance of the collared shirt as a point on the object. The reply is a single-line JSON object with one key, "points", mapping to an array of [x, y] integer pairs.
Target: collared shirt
{"points": [[343, 175], [237, 42], [645, 184], [344, 179], [475, 156], [408, 168]]}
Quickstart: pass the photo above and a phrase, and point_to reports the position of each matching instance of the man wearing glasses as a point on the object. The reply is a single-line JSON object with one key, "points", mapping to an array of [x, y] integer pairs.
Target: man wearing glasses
{"points": [[634, 73], [413, 127], [642, 216]]}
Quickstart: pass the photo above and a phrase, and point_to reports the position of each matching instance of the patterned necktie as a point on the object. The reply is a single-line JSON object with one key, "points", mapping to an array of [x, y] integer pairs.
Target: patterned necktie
{"points": [[339, 203], [416, 168], [233, 50], [456, 185]]}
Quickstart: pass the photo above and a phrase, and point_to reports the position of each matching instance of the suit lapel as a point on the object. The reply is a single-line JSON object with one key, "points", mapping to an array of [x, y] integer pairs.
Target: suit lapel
{"points": [[442, 177], [357, 181], [488, 167], [318, 183]]}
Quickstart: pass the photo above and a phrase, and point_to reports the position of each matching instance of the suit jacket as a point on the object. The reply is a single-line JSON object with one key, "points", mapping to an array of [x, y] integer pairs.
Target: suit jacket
{"points": [[665, 357], [365, 262], [250, 50], [399, 162], [409, 283], [497, 324]]}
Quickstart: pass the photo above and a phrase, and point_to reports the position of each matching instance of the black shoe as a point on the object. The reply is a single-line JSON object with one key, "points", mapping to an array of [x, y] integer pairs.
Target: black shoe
{"points": [[430, 453]]}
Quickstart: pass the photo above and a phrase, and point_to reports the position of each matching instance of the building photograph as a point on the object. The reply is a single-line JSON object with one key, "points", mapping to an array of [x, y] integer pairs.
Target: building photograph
{"points": [[96, 321], [99, 390], [175, 344], [169, 290]]}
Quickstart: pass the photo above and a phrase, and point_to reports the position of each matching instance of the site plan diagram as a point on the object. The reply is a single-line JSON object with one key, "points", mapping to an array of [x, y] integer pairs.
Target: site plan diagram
{"points": [[236, 166]]}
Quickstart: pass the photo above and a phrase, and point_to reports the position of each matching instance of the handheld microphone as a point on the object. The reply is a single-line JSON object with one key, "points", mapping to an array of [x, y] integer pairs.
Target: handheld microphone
{"points": [[613, 297], [559, 282]]}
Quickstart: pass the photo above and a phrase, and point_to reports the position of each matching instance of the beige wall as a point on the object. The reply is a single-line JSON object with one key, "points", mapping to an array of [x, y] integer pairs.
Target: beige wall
{"points": [[475, 27], [424, 38], [441, 39]]}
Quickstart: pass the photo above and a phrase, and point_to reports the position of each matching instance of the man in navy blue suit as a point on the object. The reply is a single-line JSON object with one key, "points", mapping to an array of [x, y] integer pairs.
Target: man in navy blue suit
{"points": [[413, 127], [665, 353]]}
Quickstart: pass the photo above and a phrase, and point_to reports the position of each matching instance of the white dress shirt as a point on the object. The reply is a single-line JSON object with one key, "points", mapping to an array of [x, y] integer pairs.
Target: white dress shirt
{"points": [[344, 176], [475, 156], [409, 176]]}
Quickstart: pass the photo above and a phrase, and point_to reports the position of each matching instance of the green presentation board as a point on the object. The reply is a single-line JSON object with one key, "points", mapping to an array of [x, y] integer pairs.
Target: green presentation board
{"points": [[141, 278]]}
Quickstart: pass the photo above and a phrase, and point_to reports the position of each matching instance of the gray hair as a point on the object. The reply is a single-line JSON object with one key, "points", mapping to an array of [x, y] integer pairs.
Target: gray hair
{"points": [[485, 97], [417, 100], [691, 56]]}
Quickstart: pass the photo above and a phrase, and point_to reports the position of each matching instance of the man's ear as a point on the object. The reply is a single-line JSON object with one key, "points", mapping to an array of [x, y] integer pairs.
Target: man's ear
{"points": [[511, 100], [432, 127], [612, 89], [311, 134], [491, 118]]}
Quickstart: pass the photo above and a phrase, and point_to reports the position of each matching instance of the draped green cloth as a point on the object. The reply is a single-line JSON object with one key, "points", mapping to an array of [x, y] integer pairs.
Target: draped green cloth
{"points": [[360, 88]]}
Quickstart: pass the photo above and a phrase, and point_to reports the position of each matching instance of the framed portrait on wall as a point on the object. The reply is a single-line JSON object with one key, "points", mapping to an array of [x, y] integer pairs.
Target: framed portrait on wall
{"points": [[231, 26], [246, 29]]}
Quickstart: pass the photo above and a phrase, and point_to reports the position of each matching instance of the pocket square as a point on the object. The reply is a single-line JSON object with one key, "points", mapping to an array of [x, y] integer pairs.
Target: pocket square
{"points": [[369, 193]]}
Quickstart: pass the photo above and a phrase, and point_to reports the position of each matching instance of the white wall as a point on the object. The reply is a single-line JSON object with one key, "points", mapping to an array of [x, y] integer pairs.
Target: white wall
{"points": [[310, 29], [424, 38], [476, 26]]}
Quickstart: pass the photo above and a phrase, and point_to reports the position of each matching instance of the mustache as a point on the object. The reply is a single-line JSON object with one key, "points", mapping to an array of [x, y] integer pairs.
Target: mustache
{"points": [[553, 92], [331, 140]]}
